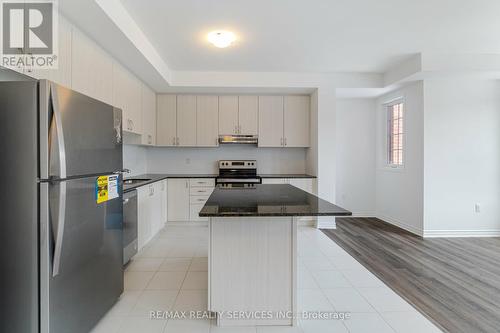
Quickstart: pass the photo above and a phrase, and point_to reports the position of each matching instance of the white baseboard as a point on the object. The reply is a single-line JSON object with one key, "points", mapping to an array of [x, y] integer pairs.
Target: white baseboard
{"points": [[400, 224], [461, 233]]}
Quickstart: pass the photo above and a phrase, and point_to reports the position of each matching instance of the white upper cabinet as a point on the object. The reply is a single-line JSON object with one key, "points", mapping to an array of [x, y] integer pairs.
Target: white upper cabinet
{"points": [[207, 121], [296, 121], [148, 116], [228, 115], [166, 120], [284, 121], [248, 115], [271, 121], [238, 115], [186, 120], [91, 68], [62, 74], [197, 121], [127, 96]]}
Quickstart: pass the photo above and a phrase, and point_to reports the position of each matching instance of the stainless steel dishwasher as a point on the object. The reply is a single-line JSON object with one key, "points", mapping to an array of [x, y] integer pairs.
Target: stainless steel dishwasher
{"points": [[129, 225]]}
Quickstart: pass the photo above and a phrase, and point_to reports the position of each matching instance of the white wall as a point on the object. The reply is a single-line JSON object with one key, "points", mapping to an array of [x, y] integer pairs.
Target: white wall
{"points": [[462, 157], [399, 193], [204, 160], [355, 132], [135, 159]]}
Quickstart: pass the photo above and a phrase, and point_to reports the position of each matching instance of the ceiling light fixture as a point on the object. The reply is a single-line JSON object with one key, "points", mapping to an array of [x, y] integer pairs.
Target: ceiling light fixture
{"points": [[221, 38]]}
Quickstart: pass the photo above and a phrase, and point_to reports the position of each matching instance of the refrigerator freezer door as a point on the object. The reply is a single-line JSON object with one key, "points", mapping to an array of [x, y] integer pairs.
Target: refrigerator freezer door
{"points": [[84, 134], [18, 204], [87, 241]]}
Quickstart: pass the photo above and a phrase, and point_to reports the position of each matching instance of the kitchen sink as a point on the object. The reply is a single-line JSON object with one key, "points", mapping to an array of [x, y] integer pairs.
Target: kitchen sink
{"points": [[134, 181]]}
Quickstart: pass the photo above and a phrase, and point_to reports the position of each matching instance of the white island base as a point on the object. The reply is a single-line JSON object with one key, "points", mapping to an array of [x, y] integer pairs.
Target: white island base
{"points": [[252, 270]]}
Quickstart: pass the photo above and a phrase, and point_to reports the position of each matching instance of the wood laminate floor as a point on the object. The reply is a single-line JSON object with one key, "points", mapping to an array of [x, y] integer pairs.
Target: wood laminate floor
{"points": [[455, 282]]}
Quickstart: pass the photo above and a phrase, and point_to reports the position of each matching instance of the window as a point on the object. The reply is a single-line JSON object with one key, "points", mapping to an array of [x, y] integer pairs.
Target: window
{"points": [[395, 133]]}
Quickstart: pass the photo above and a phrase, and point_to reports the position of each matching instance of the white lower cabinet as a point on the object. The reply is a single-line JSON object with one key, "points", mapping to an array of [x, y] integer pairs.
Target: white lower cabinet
{"points": [[150, 207], [164, 202], [186, 197], [144, 215], [200, 190], [305, 184], [178, 200]]}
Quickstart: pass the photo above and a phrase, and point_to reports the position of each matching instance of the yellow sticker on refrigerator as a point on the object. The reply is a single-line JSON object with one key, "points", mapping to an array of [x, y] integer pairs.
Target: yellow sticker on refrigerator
{"points": [[106, 188]]}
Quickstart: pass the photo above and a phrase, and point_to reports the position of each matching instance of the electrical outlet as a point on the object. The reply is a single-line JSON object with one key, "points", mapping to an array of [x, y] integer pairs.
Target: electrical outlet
{"points": [[477, 208], [188, 161]]}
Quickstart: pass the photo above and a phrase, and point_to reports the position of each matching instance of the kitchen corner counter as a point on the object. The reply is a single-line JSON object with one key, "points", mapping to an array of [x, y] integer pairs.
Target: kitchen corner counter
{"points": [[156, 177], [268, 200], [290, 175]]}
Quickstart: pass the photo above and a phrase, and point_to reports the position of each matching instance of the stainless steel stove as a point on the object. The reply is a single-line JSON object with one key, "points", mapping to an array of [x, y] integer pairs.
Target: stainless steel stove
{"points": [[238, 174]]}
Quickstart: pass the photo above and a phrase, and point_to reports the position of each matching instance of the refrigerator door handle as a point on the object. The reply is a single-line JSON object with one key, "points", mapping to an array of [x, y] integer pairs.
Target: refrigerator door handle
{"points": [[59, 131], [59, 230], [121, 172]]}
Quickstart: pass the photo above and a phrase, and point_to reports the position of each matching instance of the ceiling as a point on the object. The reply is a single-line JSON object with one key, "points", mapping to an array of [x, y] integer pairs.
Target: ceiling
{"points": [[314, 35]]}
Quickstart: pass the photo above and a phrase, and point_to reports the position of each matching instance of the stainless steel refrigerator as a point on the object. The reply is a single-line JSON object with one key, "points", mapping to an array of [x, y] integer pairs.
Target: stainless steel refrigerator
{"points": [[61, 208]]}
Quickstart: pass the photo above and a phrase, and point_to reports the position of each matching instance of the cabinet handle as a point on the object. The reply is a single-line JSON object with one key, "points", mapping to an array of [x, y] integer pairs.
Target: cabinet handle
{"points": [[239, 129], [150, 139], [177, 140], [173, 141], [131, 125], [285, 141], [201, 199], [281, 141]]}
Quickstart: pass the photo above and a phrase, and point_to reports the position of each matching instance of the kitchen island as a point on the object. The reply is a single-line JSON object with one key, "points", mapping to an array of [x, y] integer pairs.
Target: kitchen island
{"points": [[252, 257]]}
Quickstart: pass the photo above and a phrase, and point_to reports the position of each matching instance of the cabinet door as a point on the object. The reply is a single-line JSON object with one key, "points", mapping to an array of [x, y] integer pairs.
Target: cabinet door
{"points": [[296, 121], [144, 210], [91, 68], [248, 115], [62, 74], [134, 89], [207, 121], [148, 116], [164, 202], [195, 209], [228, 115], [270, 121], [186, 120], [166, 120], [156, 208], [127, 96], [305, 184], [178, 199]]}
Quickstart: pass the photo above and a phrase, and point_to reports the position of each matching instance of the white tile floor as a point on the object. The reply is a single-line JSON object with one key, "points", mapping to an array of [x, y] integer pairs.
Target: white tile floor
{"points": [[171, 274]]}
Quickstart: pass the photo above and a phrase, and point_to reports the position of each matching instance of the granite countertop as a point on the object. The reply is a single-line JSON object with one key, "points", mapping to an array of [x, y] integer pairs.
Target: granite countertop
{"points": [[268, 200], [155, 177]]}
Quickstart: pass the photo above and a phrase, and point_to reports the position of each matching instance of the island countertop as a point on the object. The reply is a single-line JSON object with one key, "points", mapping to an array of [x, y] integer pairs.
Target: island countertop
{"points": [[268, 200]]}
